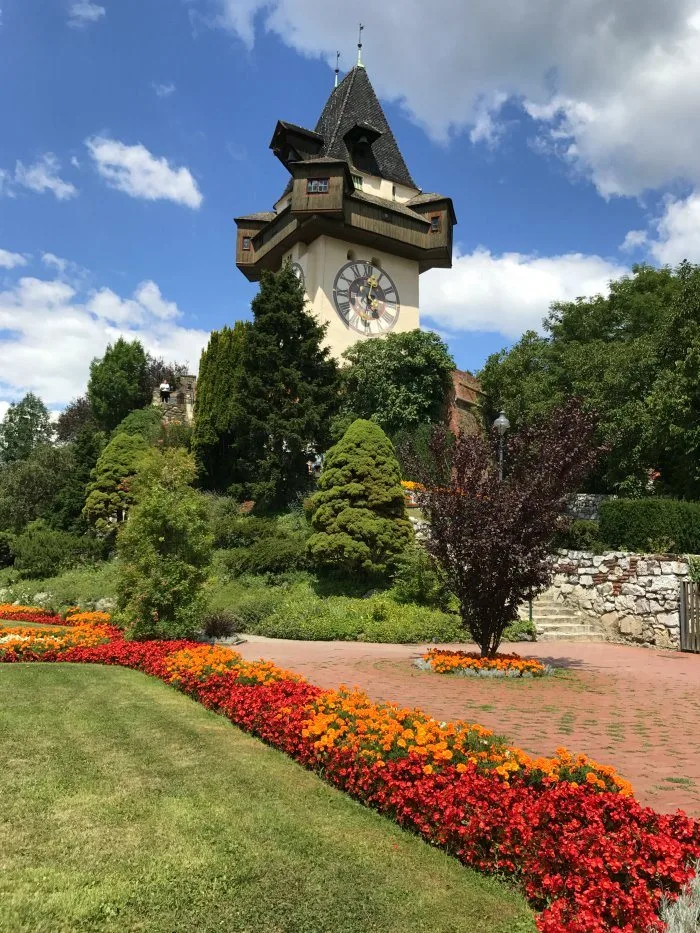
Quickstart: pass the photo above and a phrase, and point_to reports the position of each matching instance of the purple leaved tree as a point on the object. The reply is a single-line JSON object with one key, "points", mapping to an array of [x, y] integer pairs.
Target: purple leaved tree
{"points": [[490, 536]]}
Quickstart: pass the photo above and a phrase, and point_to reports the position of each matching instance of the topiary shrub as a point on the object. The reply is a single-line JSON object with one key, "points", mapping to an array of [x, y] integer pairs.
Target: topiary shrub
{"points": [[359, 513], [651, 525]]}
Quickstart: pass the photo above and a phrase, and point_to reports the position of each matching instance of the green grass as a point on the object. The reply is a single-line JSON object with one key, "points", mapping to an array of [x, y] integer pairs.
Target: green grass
{"points": [[128, 807]]}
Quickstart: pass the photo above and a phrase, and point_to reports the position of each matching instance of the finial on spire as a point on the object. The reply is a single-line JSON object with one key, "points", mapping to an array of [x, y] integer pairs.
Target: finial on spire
{"points": [[337, 67], [359, 48]]}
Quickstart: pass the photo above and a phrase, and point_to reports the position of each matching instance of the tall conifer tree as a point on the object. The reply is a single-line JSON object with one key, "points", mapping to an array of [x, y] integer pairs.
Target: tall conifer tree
{"points": [[217, 405], [288, 390]]}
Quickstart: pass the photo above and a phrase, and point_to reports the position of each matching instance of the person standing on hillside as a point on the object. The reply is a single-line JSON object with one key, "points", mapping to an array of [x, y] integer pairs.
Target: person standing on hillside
{"points": [[165, 391]]}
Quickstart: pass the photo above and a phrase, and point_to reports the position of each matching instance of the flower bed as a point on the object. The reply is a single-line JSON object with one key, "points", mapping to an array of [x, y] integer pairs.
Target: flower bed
{"points": [[587, 855], [470, 663]]}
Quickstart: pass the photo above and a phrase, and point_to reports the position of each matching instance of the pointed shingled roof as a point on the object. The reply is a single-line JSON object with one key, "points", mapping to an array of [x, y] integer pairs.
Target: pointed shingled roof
{"points": [[354, 103]]}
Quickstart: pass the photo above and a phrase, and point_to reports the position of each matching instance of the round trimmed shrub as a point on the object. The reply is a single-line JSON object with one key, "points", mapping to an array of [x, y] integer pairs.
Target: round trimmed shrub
{"points": [[359, 513]]}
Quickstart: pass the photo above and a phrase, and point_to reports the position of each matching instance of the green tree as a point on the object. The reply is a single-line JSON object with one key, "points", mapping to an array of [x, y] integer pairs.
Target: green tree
{"points": [[145, 422], [399, 382], [619, 355], [359, 513], [218, 407], [76, 416], [25, 427], [287, 387], [163, 551], [33, 488], [109, 495], [67, 512], [119, 383]]}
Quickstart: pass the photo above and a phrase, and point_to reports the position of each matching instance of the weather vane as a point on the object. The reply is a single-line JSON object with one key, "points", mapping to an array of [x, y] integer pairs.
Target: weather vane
{"points": [[337, 67], [359, 46]]}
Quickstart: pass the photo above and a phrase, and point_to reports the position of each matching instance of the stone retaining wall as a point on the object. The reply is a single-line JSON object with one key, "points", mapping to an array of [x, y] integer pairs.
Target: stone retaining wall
{"points": [[635, 598], [585, 505]]}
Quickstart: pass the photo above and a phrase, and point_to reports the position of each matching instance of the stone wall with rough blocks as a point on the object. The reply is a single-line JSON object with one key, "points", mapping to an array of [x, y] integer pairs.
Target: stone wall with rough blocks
{"points": [[585, 505], [180, 408], [635, 598]]}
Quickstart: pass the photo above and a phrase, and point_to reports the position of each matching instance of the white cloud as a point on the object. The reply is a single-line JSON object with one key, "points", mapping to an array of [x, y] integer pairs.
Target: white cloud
{"points": [[164, 90], [50, 332], [135, 171], [509, 293], [43, 176], [612, 85], [10, 260], [634, 240], [84, 12], [675, 234]]}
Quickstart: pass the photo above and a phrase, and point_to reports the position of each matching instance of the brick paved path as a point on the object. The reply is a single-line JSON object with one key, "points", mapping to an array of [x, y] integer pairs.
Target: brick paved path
{"points": [[634, 708]]}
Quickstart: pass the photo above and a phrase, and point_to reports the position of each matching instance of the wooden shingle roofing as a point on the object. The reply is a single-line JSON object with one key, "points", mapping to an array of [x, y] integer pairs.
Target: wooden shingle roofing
{"points": [[354, 103]]}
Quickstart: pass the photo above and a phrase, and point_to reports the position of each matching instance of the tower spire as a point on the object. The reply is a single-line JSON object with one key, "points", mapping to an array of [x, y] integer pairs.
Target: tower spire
{"points": [[337, 67], [359, 48]]}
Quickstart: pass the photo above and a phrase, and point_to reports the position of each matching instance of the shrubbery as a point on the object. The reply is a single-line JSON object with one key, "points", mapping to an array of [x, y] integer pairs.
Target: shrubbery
{"points": [[164, 550], [254, 545], [359, 513], [579, 535], [41, 551], [644, 525], [418, 579], [7, 554], [293, 609]]}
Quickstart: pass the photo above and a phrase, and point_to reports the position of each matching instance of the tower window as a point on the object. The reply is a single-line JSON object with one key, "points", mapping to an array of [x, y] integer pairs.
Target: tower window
{"points": [[316, 185], [435, 223], [247, 244], [357, 181]]}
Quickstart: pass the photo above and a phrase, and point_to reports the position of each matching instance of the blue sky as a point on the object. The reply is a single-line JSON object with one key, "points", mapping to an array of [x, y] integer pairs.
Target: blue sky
{"points": [[135, 130]]}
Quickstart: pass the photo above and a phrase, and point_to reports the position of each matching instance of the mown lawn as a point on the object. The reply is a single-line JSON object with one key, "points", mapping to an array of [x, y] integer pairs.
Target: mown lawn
{"points": [[125, 806]]}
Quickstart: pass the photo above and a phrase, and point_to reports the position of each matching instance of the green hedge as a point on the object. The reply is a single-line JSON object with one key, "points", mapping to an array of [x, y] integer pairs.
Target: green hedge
{"points": [[651, 525]]}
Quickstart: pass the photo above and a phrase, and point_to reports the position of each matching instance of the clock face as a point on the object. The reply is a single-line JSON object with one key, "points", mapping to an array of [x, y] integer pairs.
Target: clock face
{"points": [[366, 298], [299, 272]]}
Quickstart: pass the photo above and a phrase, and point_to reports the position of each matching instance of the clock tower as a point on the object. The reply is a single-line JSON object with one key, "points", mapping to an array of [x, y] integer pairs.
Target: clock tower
{"points": [[352, 221]]}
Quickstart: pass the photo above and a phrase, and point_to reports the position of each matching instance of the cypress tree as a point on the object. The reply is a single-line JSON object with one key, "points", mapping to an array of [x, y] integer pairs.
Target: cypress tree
{"points": [[217, 407], [359, 513], [288, 390]]}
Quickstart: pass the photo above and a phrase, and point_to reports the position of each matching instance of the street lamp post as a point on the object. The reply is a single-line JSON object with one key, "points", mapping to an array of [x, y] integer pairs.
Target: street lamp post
{"points": [[501, 424]]}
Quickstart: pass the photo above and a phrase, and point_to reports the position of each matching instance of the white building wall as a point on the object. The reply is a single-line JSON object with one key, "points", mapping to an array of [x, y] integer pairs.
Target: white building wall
{"points": [[321, 261]]}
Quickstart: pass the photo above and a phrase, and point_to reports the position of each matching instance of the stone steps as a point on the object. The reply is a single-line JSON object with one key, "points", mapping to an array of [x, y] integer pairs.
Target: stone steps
{"points": [[557, 620]]}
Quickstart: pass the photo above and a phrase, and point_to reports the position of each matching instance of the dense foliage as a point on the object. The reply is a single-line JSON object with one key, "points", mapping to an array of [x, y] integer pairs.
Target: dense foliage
{"points": [[218, 407], [75, 417], [634, 358], [164, 550], [491, 536], [25, 426], [400, 382], [109, 496], [359, 513], [656, 525], [119, 383], [288, 390], [40, 551]]}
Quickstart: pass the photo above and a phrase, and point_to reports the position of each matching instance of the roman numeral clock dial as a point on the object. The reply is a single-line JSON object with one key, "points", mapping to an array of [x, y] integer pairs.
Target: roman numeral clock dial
{"points": [[366, 298]]}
